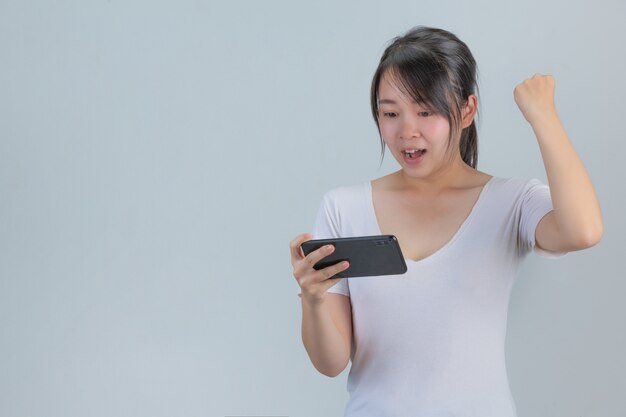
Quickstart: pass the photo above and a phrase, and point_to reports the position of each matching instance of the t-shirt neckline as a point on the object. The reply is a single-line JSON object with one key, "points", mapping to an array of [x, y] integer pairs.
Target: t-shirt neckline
{"points": [[457, 234]]}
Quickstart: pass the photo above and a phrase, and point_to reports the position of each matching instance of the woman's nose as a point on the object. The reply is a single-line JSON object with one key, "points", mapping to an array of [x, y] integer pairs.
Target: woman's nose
{"points": [[410, 127]]}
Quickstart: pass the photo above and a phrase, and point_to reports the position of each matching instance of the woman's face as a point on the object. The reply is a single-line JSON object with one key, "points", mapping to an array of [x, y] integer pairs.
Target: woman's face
{"points": [[417, 138]]}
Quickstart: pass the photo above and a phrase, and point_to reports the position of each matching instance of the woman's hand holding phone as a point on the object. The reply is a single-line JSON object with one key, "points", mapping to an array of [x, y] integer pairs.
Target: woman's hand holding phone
{"points": [[313, 283]]}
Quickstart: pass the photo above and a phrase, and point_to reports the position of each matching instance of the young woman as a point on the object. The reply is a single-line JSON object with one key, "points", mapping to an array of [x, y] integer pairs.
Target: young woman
{"points": [[431, 342]]}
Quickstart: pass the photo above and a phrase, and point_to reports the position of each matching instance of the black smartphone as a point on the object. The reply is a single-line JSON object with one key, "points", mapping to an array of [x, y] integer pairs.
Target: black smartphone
{"points": [[368, 255]]}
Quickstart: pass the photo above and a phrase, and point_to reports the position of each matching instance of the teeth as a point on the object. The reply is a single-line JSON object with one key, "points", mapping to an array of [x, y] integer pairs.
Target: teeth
{"points": [[412, 151]]}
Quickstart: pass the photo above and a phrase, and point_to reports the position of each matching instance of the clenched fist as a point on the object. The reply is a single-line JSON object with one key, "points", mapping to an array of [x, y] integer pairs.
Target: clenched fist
{"points": [[535, 98]]}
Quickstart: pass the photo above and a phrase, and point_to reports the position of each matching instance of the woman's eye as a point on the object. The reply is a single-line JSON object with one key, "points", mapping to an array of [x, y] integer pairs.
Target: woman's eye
{"points": [[425, 113], [390, 114]]}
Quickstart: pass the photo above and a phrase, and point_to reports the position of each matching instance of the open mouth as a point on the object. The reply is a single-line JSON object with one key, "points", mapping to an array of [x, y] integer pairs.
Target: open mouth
{"points": [[414, 153]]}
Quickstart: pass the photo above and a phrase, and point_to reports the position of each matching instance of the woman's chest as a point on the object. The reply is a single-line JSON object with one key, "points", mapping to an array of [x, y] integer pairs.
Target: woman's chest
{"points": [[423, 226]]}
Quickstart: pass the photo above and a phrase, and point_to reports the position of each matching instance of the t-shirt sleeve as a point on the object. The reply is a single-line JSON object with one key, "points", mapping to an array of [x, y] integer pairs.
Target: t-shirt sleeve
{"points": [[327, 226], [536, 203]]}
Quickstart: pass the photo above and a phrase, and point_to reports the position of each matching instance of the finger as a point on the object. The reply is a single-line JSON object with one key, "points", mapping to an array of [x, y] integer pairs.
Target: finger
{"points": [[294, 245], [318, 254], [305, 266], [330, 271], [325, 278]]}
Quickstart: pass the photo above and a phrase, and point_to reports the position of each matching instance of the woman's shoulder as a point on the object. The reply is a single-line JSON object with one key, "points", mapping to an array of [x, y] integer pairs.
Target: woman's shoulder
{"points": [[347, 192], [515, 182], [479, 178], [514, 189]]}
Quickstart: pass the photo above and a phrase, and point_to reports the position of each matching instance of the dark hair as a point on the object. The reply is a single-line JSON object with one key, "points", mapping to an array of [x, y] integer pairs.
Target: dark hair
{"points": [[437, 70]]}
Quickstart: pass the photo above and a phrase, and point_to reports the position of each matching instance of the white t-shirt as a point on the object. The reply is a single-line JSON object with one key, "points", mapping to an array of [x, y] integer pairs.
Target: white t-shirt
{"points": [[430, 342]]}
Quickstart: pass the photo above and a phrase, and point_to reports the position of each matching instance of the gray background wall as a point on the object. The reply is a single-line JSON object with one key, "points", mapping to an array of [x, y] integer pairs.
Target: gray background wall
{"points": [[156, 158]]}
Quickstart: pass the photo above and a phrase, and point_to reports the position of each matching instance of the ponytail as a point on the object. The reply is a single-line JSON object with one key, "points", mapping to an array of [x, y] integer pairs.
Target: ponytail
{"points": [[469, 145]]}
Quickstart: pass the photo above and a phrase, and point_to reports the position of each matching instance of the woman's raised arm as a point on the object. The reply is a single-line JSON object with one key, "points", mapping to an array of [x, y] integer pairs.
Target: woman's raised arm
{"points": [[576, 221]]}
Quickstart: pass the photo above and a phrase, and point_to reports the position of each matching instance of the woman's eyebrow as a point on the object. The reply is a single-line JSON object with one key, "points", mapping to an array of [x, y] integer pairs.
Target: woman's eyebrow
{"points": [[390, 101]]}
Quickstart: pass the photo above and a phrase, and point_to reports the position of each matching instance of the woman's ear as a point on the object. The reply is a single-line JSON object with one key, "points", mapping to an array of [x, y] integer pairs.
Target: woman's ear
{"points": [[469, 111]]}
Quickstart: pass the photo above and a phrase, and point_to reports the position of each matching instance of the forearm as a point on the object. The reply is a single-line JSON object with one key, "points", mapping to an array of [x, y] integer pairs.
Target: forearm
{"points": [[323, 341], [576, 207]]}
